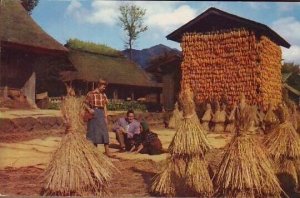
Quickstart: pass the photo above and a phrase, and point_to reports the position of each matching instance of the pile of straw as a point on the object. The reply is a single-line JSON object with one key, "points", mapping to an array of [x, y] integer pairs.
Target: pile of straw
{"points": [[176, 118], [186, 171], [230, 127], [189, 139], [245, 170], [163, 183], [206, 118], [270, 119], [219, 119], [76, 167], [283, 145]]}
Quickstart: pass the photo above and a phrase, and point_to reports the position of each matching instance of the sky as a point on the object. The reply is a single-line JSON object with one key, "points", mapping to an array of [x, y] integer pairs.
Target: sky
{"points": [[97, 20]]}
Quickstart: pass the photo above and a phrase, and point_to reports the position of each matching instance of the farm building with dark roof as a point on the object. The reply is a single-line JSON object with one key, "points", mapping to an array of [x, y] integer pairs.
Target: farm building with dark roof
{"points": [[225, 55], [23, 44], [125, 78]]}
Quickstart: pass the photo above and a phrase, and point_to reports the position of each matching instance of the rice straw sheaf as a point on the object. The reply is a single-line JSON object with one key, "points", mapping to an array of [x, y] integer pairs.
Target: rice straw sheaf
{"points": [[283, 142], [186, 173], [76, 167], [176, 118], [197, 177], [189, 139], [71, 109], [283, 145], [288, 167], [163, 183], [246, 170]]}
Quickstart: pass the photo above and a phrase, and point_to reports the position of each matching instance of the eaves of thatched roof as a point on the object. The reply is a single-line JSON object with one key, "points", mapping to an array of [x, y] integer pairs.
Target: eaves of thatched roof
{"points": [[117, 70], [19, 30], [291, 89], [286, 76], [162, 64]]}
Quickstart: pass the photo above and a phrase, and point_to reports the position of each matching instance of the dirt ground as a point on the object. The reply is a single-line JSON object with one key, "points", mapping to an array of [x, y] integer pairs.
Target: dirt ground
{"points": [[24, 157], [22, 161]]}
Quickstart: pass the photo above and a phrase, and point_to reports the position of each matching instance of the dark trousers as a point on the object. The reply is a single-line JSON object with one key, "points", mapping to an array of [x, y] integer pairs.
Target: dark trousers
{"points": [[124, 141]]}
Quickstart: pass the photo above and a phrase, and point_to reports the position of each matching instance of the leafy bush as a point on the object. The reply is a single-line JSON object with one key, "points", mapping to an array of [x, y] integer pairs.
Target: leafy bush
{"points": [[112, 106], [54, 105], [126, 105]]}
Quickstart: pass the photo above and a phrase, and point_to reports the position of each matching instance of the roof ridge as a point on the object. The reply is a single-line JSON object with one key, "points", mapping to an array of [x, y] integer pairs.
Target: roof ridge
{"points": [[264, 29], [97, 53]]}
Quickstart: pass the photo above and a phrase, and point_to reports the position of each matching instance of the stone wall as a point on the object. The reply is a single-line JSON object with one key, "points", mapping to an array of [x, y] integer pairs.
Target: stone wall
{"points": [[27, 124]]}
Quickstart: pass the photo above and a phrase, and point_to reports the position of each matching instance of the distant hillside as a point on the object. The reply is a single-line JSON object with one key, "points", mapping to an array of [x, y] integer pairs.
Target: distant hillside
{"points": [[143, 57]]}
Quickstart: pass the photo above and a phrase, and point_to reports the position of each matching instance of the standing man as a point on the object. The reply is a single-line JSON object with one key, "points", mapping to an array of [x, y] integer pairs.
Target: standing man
{"points": [[96, 102], [127, 129]]}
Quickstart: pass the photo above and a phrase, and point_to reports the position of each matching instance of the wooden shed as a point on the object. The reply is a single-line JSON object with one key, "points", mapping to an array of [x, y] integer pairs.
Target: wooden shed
{"points": [[166, 70], [126, 80], [226, 55], [23, 44]]}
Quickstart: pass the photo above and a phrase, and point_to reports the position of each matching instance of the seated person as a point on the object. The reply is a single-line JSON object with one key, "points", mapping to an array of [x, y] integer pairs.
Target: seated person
{"points": [[127, 129], [150, 143]]}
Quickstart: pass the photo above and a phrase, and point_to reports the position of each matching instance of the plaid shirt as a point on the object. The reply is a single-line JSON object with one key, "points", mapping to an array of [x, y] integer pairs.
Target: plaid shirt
{"points": [[150, 137], [96, 99]]}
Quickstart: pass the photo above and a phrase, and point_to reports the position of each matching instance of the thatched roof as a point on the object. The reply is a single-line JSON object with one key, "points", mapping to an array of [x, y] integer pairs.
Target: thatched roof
{"points": [[92, 47], [285, 76], [214, 19], [117, 70], [164, 64], [20, 31]]}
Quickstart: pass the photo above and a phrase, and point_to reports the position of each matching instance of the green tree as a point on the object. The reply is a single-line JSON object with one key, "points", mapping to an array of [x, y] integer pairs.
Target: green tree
{"points": [[29, 5], [131, 19]]}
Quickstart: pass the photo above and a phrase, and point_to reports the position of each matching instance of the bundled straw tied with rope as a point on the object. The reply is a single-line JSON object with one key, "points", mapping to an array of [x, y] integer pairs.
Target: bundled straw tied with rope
{"points": [[186, 172], [76, 167], [245, 170], [176, 118], [283, 145]]}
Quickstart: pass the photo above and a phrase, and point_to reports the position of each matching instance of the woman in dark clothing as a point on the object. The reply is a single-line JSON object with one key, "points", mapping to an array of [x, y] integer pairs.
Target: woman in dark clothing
{"points": [[148, 143]]}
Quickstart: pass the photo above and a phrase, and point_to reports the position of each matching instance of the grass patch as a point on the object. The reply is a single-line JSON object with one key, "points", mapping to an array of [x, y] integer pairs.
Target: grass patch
{"points": [[92, 47]]}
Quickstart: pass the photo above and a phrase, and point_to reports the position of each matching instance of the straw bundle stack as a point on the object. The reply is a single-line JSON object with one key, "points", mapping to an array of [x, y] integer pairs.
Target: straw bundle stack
{"points": [[176, 118], [76, 167], [232, 62], [189, 138], [187, 168], [230, 127], [163, 183], [270, 119], [219, 119], [283, 145], [206, 118], [245, 170]]}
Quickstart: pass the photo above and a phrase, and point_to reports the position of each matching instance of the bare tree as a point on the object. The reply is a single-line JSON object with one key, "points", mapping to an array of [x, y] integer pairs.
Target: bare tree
{"points": [[132, 21]]}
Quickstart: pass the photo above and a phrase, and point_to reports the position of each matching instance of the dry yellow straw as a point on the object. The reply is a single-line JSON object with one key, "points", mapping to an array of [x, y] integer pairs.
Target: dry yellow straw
{"points": [[176, 118], [186, 171], [76, 167], [245, 170]]}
